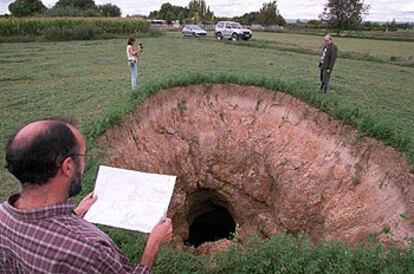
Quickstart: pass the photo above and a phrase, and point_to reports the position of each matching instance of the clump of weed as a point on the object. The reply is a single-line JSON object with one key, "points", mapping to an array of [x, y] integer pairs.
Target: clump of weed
{"points": [[356, 181], [386, 229], [394, 58], [208, 87], [359, 135], [160, 129], [181, 106], [258, 104], [235, 236], [368, 57], [221, 114], [404, 216], [372, 238]]}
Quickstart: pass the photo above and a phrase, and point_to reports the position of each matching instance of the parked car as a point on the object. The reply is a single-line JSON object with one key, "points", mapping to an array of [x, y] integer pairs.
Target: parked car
{"points": [[194, 31], [232, 30]]}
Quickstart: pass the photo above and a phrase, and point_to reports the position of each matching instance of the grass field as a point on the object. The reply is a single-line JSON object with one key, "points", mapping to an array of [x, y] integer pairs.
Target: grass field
{"points": [[382, 51], [82, 79], [373, 47], [399, 35]]}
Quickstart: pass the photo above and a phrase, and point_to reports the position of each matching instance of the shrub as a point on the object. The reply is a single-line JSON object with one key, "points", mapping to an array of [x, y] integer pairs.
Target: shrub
{"points": [[72, 28], [79, 32], [72, 12]]}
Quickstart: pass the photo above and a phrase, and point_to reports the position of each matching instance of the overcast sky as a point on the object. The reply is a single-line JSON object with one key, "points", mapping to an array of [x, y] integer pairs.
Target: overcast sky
{"points": [[381, 10]]}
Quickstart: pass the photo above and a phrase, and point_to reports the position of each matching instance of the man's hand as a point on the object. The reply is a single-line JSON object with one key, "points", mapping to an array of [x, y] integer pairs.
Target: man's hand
{"points": [[328, 71], [85, 204], [162, 232], [160, 235]]}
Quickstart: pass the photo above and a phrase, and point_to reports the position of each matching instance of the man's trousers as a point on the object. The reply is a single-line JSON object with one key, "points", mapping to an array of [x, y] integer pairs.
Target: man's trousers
{"points": [[325, 77]]}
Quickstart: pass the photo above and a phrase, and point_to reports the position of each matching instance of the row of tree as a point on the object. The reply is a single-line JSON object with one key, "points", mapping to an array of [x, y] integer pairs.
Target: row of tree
{"points": [[22, 8], [197, 11], [268, 15], [337, 14]]}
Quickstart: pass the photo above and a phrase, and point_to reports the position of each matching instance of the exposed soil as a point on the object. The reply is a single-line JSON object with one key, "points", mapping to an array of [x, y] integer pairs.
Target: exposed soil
{"points": [[271, 160]]}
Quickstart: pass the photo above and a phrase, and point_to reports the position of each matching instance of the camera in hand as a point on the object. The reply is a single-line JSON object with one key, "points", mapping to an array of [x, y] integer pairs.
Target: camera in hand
{"points": [[141, 46]]}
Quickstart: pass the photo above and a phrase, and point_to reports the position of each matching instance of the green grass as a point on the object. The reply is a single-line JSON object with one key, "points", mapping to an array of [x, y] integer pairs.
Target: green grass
{"points": [[82, 79], [373, 47], [399, 35], [90, 81], [282, 253], [382, 51]]}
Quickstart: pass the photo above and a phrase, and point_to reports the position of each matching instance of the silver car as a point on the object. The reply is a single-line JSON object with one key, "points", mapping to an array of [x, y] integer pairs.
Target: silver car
{"points": [[193, 31], [232, 30]]}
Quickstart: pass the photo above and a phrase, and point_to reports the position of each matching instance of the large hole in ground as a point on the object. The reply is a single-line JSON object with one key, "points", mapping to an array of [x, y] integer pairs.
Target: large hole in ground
{"points": [[273, 162], [208, 218]]}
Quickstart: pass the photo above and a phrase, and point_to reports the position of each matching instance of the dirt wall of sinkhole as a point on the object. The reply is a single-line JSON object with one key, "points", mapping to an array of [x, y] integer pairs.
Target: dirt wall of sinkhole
{"points": [[271, 160]]}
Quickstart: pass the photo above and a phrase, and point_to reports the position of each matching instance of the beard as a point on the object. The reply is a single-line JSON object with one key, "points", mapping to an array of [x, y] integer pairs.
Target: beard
{"points": [[75, 185]]}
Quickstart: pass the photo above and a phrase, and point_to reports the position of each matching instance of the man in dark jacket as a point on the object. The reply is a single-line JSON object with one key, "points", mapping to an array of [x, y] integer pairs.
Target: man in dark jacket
{"points": [[327, 61]]}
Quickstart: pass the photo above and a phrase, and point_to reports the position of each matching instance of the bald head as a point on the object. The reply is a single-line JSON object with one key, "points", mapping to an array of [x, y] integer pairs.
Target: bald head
{"points": [[327, 39], [35, 152], [28, 133]]}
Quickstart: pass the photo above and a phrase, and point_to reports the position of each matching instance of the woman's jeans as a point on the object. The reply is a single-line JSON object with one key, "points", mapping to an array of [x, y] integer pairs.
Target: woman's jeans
{"points": [[134, 75]]}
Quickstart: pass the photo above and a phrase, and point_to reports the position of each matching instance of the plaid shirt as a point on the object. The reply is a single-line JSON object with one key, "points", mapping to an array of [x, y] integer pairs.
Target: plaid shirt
{"points": [[55, 240]]}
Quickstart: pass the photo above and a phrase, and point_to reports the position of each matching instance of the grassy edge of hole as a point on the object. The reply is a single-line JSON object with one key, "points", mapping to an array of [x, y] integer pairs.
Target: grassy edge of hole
{"points": [[283, 251]]}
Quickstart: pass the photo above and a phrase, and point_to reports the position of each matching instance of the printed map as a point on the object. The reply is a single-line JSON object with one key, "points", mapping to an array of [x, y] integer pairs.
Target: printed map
{"points": [[130, 199]]}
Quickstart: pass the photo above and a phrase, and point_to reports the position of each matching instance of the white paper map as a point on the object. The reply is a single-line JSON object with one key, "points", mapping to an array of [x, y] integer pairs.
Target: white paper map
{"points": [[130, 199]]}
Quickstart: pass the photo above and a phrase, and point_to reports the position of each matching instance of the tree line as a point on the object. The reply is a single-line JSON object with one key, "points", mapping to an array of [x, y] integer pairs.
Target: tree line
{"points": [[337, 15], [198, 11], [79, 8], [268, 15]]}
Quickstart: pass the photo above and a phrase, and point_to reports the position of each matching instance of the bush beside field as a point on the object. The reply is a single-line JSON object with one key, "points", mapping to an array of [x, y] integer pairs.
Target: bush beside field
{"points": [[61, 29]]}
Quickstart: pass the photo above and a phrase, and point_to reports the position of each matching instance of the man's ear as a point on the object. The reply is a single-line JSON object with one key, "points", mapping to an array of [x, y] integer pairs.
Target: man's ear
{"points": [[68, 167]]}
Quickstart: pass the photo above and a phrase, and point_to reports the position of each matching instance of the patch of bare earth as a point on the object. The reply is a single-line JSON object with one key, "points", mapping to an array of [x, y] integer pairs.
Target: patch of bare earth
{"points": [[268, 159]]}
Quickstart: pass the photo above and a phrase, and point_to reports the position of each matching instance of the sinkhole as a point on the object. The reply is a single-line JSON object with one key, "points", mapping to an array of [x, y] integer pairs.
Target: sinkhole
{"points": [[208, 218], [266, 161]]}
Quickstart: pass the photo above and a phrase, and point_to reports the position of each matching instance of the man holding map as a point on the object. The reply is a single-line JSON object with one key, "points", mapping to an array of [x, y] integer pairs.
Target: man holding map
{"points": [[41, 231]]}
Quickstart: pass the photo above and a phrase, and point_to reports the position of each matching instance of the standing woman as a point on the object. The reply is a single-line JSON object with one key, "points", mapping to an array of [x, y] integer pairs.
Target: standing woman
{"points": [[133, 54]]}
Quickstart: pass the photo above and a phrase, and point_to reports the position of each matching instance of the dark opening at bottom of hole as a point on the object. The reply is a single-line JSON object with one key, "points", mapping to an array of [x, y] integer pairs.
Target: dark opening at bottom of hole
{"points": [[211, 226]]}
